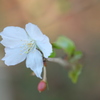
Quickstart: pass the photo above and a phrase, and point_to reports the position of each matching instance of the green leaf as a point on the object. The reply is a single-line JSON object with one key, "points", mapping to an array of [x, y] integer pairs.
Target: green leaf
{"points": [[53, 54], [74, 73], [78, 54], [66, 44], [55, 46]]}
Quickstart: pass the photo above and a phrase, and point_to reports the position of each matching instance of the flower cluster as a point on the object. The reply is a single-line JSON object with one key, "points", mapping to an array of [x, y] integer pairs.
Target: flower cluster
{"points": [[26, 44]]}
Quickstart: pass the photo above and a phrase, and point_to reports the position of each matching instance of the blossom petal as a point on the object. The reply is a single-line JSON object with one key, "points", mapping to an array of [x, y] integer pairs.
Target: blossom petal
{"points": [[45, 46], [13, 36], [13, 56], [34, 32], [34, 61], [42, 41]]}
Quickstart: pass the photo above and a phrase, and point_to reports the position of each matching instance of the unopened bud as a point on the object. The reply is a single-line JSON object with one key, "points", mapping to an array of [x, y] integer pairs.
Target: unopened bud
{"points": [[42, 86]]}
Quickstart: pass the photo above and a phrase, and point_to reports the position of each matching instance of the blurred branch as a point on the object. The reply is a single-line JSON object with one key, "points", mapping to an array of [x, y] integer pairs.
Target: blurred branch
{"points": [[60, 61]]}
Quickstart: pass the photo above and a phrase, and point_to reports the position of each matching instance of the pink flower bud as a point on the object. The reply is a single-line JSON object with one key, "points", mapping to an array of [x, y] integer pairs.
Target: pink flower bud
{"points": [[42, 86]]}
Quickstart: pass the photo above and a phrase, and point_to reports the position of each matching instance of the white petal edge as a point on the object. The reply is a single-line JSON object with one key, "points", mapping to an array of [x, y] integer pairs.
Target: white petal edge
{"points": [[34, 32], [13, 36], [34, 61], [13, 56], [45, 46]]}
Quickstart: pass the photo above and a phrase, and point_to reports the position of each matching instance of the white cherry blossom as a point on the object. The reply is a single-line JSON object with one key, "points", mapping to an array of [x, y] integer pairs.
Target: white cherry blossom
{"points": [[29, 44]]}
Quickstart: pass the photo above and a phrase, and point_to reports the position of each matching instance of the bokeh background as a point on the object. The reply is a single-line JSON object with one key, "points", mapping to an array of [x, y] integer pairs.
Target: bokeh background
{"points": [[77, 19]]}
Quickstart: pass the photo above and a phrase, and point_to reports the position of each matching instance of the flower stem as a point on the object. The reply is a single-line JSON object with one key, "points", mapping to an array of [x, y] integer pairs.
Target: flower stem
{"points": [[44, 74]]}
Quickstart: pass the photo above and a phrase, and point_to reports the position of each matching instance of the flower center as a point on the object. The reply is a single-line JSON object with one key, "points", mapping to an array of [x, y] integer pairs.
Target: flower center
{"points": [[28, 46]]}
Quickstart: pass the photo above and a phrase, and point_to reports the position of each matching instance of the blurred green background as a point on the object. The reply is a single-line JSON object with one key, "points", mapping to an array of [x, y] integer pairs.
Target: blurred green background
{"points": [[77, 19]]}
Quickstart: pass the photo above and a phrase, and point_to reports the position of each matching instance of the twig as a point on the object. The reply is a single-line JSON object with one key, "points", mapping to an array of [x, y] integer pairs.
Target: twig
{"points": [[60, 61]]}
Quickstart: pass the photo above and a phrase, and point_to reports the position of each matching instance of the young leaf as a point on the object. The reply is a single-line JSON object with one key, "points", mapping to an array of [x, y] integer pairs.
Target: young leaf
{"points": [[55, 46], [53, 54], [76, 56], [74, 73], [66, 44]]}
